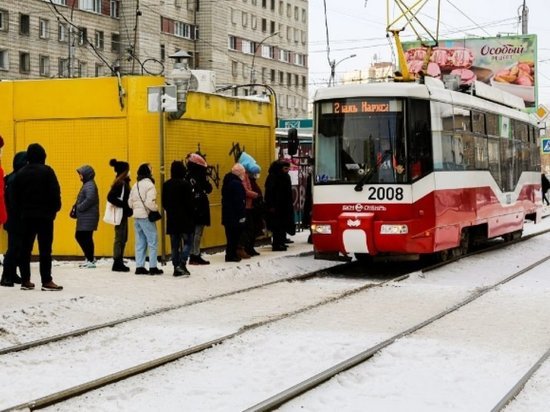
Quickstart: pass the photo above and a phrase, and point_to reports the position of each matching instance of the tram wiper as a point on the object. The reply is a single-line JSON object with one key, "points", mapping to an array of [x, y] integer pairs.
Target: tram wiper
{"points": [[364, 179]]}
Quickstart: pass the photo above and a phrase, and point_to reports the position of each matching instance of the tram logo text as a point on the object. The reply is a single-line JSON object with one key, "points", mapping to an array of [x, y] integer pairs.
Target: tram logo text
{"points": [[363, 208]]}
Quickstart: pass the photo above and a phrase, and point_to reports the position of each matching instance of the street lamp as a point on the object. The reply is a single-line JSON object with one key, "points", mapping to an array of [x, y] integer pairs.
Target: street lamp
{"points": [[252, 69], [333, 64]]}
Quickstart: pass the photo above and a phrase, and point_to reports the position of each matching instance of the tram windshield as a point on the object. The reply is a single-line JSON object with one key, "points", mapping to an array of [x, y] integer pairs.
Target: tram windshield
{"points": [[360, 140]]}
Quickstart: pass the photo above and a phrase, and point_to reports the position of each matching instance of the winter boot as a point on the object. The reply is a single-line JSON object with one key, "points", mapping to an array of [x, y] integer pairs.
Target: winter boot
{"points": [[6, 282], [118, 266], [242, 253]]}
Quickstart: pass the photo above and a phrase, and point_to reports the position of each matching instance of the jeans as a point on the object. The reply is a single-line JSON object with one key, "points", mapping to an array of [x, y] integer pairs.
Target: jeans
{"points": [[146, 237], [33, 228], [180, 249], [196, 242]]}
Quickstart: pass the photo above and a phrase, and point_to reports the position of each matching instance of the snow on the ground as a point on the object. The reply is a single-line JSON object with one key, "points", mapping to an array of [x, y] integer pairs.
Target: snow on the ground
{"points": [[443, 355]]}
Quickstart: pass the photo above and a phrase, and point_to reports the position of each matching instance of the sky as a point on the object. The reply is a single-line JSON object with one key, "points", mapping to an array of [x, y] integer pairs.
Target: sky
{"points": [[464, 362], [359, 27]]}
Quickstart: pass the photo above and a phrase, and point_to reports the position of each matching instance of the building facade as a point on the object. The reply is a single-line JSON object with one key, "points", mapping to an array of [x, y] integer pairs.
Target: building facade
{"points": [[244, 42]]}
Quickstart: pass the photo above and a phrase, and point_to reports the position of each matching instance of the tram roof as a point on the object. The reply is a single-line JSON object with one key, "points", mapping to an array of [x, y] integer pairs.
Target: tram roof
{"points": [[498, 102]]}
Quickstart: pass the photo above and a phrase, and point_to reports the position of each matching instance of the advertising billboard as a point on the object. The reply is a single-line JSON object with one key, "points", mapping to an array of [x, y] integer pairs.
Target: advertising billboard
{"points": [[508, 62]]}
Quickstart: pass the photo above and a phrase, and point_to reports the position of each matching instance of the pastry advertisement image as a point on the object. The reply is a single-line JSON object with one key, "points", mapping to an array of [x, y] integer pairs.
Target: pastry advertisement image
{"points": [[507, 62]]}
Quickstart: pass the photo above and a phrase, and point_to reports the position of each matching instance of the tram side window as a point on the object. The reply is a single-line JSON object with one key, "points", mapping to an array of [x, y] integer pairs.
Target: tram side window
{"points": [[478, 122], [462, 119], [534, 159], [520, 130], [481, 156], [442, 129], [491, 121], [469, 151], [419, 140], [452, 152], [507, 164], [494, 158]]}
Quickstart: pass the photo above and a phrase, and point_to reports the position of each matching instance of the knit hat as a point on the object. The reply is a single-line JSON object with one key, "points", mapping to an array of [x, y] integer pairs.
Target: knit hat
{"points": [[254, 169], [36, 153], [238, 170], [119, 166], [197, 159]]}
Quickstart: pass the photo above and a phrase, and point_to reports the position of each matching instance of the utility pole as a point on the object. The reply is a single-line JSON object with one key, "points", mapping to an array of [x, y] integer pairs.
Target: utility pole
{"points": [[524, 18]]}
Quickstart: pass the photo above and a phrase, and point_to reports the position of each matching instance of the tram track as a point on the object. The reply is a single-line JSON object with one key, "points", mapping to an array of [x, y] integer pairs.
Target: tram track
{"points": [[111, 378], [155, 363], [316, 380]]}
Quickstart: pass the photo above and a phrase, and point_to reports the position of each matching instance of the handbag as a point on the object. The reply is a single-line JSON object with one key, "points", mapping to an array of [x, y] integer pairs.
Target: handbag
{"points": [[113, 214], [152, 215], [72, 213]]}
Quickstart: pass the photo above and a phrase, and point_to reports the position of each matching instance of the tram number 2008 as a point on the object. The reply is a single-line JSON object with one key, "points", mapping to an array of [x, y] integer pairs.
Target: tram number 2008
{"points": [[385, 193]]}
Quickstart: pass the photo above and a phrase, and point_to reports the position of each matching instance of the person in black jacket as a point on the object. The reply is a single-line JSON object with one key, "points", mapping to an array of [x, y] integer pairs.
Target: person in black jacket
{"points": [[38, 198], [196, 176], [118, 196], [278, 203], [233, 210], [13, 227], [177, 200]]}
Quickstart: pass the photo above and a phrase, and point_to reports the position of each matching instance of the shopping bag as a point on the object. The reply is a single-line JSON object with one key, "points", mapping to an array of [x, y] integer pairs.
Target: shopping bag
{"points": [[113, 214]]}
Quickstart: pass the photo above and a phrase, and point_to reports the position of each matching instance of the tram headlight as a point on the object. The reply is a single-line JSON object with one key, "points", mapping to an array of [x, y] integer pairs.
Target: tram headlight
{"points": [[321, 229], [394, 229]]}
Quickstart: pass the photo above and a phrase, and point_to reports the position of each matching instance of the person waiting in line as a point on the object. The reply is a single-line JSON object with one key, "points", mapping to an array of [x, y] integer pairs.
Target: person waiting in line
{"points": [[177, 200], [545, 186], [12, 227], [87, 214], [278, 203], [142, 200], [233, 210], [38, 198], [196, 176], [247, 239], [118, 195]]}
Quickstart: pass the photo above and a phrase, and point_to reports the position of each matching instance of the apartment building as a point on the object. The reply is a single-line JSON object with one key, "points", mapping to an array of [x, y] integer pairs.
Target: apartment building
{"points": [[244, 42]]}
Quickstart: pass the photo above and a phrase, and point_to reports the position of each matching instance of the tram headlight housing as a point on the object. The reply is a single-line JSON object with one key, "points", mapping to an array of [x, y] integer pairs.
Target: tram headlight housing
{"points": [[394, 229], [322, 229]]}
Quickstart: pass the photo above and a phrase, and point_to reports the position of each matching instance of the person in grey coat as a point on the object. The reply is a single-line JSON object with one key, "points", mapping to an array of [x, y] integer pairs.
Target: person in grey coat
{"points": [[87, 214]]}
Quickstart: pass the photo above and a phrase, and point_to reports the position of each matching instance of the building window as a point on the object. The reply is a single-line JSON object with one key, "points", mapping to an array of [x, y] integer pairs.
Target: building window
{"points": [[298, 59], [304, 16], [303, 82], [90, 5], [184, 30], [82, 69], [114, 10], [60, 2], [272, 27], [43, 28], [247, 47], [62, 32], [284, 56], [232, 43], [24, 62], [24, 24], [234, 68], [63, 67], [272, 77], [4, 19], [264, 4], [264, 25], [253, 22], [281, 78], [245, 19], [99, 70], [177, 3], [44, 65], [99, 40], [289, 79], [115, 42], [82, 36], [162, 52], [272, 5], [4, 63], [267, 51]]}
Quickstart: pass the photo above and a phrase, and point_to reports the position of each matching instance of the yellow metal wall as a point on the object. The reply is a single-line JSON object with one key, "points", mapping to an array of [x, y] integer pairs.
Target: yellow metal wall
{"points": [[80, 121]]}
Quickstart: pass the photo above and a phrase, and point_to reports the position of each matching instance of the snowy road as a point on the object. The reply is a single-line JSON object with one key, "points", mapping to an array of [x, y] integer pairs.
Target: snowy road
{"points": [[465, 355]]}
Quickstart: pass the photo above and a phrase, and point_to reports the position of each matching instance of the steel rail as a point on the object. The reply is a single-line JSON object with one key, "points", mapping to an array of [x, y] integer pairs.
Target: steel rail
{"points": [[92, 328], [294, 391], [77, 390]]}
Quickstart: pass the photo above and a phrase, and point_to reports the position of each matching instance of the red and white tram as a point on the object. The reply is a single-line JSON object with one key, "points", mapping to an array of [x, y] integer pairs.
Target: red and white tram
{"points": [[411, 169]]}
